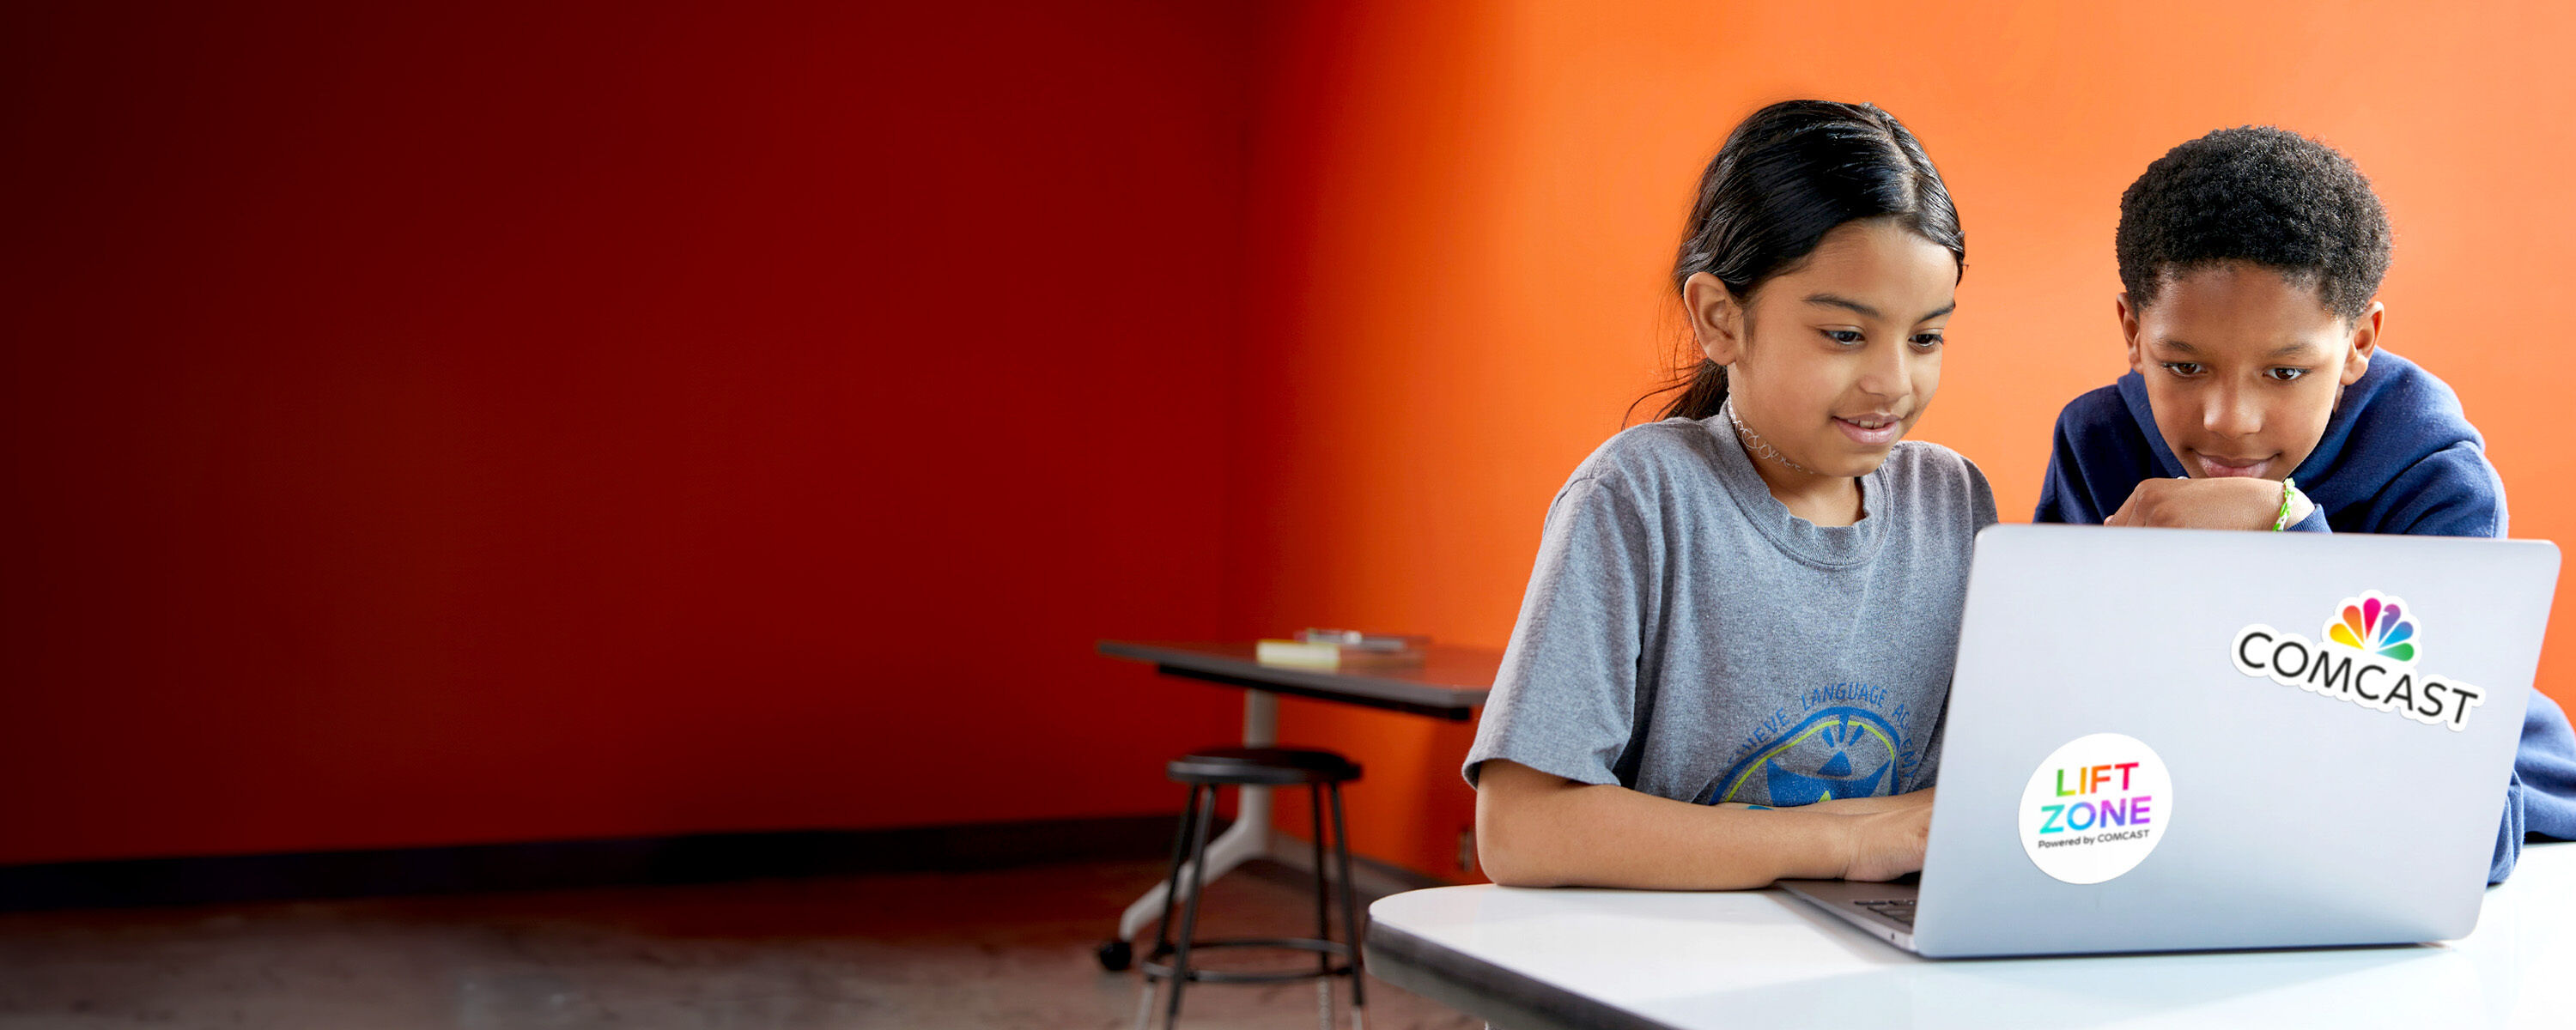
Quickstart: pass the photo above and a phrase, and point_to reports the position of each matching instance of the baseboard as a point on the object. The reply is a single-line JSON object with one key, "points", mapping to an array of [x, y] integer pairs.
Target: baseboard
{"points": [[695, 858], [1374, 879]]}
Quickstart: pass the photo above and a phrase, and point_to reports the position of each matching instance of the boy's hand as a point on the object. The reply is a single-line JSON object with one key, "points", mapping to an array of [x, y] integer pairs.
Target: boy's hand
{"points": [[2235, 502]]}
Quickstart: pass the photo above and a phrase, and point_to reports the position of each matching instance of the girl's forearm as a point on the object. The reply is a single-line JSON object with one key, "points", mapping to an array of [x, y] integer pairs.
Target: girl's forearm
{"points": [[1868, 805], [1537, 830]]}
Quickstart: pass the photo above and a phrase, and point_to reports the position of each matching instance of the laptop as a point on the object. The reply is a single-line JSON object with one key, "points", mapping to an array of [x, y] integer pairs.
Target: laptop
{"points": [[2168, 740]]}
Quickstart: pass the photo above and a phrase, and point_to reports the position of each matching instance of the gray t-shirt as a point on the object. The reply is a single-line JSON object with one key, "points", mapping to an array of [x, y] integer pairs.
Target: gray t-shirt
{"points": [[1685, 636]]}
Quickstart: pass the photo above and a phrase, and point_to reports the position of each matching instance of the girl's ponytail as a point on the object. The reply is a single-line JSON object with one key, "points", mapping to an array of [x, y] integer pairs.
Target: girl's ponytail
{"points": [[1701, 394], [1787, 176]]}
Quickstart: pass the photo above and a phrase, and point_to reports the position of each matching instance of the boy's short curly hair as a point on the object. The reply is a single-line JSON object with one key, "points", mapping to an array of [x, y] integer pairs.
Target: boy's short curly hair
{"points": [[2262, 195]]}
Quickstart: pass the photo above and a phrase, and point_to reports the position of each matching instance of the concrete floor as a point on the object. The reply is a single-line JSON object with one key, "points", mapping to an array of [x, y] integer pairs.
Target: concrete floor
{"points": [[969, 950]]}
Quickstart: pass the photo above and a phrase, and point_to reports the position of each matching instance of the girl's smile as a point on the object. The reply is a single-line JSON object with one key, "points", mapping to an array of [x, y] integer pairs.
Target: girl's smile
{"points": [[1872, 430]]}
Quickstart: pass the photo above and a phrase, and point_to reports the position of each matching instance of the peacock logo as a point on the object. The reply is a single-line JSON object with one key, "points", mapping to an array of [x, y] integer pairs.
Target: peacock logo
{"points": [[2368, 658], [2375, 625]]}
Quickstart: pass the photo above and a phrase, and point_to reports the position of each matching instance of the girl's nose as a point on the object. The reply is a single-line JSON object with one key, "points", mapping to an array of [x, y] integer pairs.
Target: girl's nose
{"points": [[1888, 372]]}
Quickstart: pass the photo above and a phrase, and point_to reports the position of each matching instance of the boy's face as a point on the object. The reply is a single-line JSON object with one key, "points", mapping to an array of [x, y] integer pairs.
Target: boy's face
{"points": [[2243, 368]]}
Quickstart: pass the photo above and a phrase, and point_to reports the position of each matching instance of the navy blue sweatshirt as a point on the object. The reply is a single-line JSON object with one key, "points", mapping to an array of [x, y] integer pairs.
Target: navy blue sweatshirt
{"points": [[2397, 457]]}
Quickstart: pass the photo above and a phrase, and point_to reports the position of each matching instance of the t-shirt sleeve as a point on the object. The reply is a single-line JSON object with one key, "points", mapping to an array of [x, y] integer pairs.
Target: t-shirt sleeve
{"points": [[1565, 701], [1981, 498]]}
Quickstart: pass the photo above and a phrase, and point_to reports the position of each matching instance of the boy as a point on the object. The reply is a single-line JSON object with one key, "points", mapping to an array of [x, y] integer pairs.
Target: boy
{"points": [[2258, 397]]}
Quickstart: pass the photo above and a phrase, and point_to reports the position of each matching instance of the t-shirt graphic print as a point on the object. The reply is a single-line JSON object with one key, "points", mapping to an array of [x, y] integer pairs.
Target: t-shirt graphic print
{"points": [[1841, 741]]}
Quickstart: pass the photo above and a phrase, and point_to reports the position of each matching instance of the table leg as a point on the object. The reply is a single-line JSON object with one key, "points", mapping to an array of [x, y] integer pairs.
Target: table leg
{"points": [[1247, 839]]}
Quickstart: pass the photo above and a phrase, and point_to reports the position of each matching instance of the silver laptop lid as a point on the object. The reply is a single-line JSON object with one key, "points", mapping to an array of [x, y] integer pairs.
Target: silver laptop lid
{"points": [[2169, 739]]}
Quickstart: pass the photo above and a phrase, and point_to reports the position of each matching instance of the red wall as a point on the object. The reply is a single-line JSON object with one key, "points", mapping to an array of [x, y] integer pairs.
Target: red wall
{"points": [[510, 423]]}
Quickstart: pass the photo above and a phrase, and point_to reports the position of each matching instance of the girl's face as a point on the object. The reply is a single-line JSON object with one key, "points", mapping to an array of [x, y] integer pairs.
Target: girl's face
{"points": [[1832, 363]]}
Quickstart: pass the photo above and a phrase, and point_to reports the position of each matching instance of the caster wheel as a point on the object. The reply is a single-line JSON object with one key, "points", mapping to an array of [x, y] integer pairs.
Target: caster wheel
{"points": [[1116, 956]]}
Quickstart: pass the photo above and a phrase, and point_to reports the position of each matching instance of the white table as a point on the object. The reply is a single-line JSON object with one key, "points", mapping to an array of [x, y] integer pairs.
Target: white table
{"points": [[1761, 959]]}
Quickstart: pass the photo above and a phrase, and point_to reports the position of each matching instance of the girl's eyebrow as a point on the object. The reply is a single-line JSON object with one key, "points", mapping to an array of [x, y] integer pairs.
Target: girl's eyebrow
{"points": [[1846, 303], [1833, 300]]}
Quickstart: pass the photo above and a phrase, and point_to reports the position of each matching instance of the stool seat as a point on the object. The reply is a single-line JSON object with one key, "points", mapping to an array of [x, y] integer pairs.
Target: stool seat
{"points": [[1262, 766]]}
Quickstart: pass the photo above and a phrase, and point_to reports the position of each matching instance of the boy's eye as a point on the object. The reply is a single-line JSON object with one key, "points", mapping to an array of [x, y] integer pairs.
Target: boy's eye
{"points": [[2285, 374], [1844, 336], [2185, 369]]}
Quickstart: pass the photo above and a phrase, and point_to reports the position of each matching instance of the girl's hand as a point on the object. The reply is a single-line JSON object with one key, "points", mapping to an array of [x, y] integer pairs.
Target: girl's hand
{"points": [[2235, 502], [1889, 844]]}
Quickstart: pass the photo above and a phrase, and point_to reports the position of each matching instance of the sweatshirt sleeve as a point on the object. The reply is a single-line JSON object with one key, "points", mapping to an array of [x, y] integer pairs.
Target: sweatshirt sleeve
{"points": [[2540, 797], [2452, 492], [2077, 457]]}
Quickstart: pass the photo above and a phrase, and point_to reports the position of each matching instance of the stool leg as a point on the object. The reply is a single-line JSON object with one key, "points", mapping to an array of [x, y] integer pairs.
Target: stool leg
{"points": [[1190, 915], [1350, 909], [1323, 921], [1163, 928], [1180, 851]]}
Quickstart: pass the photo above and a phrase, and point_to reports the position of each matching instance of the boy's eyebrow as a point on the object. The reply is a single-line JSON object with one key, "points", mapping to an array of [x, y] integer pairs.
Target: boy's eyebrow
{"points": [[1866, 311], [2287, 350]]}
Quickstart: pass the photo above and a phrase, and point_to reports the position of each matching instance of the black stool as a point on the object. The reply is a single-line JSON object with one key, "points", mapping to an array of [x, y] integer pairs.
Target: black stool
{"points": [[1323, 773]]}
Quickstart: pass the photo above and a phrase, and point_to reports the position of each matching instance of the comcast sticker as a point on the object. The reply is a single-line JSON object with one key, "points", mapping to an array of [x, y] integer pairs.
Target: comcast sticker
{"points": [[2096, 808], [2368, 658]]}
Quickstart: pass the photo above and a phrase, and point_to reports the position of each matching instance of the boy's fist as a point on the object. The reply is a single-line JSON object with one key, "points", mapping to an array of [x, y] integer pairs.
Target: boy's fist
{"points": [[2235, 502]]}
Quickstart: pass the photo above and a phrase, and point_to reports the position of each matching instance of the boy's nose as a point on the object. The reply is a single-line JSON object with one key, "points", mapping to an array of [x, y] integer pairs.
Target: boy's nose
{"points": [[2232, 413]]}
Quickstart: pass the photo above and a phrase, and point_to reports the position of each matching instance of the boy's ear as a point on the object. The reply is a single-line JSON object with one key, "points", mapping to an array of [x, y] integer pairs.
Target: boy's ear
{"points": [[1716, 320], [2129, 332], [2365, 342]]}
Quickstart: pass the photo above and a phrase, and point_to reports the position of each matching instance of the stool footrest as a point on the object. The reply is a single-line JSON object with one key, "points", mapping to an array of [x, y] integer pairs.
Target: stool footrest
{"points": [[1155, 968]]}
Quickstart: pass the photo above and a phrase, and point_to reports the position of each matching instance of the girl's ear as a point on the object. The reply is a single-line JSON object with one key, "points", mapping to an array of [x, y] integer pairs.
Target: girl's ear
{"points": [[2365, 342], [1717, 321]]}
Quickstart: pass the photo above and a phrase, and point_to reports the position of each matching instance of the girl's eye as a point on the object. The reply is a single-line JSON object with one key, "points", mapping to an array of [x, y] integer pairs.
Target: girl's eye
{"points": [[2185, 369], [1927, 341], [1846, 337], [2285, 374]]}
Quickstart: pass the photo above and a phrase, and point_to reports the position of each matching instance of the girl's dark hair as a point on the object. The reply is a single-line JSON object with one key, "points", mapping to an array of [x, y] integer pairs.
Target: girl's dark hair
{"points": [[1787, 176]]}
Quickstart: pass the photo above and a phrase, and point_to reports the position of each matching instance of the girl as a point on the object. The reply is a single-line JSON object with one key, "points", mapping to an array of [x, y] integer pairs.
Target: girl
{"points": [[1731, 660]]}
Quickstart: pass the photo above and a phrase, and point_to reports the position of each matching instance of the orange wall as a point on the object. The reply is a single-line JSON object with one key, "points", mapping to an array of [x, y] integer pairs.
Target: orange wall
{"points": [[447, 423], [1470, 207]]}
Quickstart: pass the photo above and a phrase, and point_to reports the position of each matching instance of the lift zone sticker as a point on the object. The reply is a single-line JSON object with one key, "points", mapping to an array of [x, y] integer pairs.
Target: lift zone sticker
{"points": [[2096, 808], [2368, 658]]}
